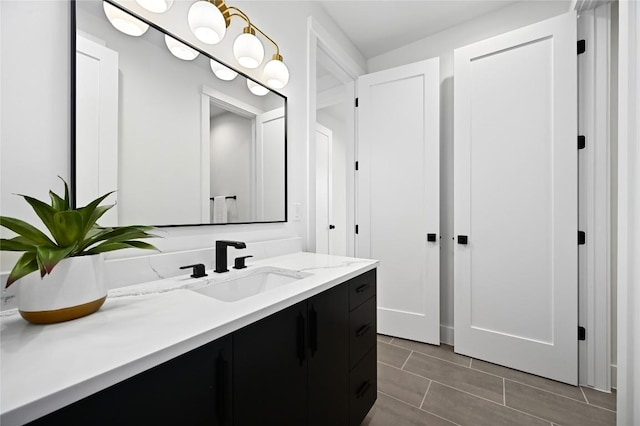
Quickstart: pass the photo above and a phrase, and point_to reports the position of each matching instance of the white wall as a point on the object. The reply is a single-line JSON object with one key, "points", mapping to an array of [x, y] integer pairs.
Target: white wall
{"points": [[34, 128], [442, 45]]}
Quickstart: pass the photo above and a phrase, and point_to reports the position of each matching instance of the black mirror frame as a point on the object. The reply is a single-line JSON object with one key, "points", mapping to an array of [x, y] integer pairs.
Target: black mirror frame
{"points": [[72, 111]]}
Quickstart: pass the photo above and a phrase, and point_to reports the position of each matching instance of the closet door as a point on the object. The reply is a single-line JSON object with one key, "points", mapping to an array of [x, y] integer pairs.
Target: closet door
{"points": [[398, 195], [515, 183]]}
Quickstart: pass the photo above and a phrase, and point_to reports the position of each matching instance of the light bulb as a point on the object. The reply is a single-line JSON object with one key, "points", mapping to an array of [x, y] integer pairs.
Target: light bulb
{"points": [[257, 89], [276, 73], [124, 22], [206, 22], [248, 50], [155, 6], [180, 50], [221, 71]]}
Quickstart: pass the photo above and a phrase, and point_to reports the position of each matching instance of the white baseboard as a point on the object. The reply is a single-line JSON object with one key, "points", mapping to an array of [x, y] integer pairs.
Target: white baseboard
{"points": [[446, 335], [614, 376]]}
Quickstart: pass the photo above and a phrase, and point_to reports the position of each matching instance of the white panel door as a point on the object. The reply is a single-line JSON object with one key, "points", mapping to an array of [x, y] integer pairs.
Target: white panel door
{"points": [[324, 185], [270, 169], [398, 195], [515, 184], [96, 125]]}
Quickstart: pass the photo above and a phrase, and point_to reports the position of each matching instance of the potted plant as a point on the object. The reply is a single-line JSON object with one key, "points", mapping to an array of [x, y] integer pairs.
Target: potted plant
{"points": [[69, 260]]}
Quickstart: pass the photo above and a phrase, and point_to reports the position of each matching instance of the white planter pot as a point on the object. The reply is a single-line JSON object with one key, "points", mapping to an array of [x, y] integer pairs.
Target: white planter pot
{"points": [[73, 289]]}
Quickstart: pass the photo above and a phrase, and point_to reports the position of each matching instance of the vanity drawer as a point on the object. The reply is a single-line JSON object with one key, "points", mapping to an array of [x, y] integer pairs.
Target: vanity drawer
{"points": [[363, 388], [362, 331], [361, 288]]}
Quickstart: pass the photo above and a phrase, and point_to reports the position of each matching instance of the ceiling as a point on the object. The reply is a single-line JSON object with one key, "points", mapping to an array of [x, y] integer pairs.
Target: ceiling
{"points": [[378, 26]]}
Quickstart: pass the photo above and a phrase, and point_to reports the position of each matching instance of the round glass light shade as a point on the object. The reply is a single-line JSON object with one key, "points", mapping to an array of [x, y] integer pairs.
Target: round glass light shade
{"points": [[256, 88], [124, 22], [276, 74], [221, 71], [180, 50], [156, 6], [206, 22], [248, 50]]}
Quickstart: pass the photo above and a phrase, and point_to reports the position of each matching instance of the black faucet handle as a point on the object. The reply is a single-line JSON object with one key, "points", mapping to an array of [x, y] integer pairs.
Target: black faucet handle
{"points": [[198, 270], [239, 262]]}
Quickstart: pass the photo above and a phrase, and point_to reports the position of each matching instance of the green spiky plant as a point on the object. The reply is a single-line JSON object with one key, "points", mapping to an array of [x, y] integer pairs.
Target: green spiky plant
{"points": [[74, 231]]}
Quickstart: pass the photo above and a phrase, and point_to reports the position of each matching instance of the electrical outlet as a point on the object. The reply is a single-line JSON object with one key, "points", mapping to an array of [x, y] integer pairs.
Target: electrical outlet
{"points": [[297, 212]]}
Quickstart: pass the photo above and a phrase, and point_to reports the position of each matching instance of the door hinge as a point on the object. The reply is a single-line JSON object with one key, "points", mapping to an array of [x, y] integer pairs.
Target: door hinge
{"points": [[582, 237], [582, 142], [582, 46], [356, 165], [356, 102], [356, 229], [582, 333]]}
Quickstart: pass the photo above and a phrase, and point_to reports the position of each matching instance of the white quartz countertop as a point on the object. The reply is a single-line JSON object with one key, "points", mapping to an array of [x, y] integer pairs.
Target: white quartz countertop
{"points": [[45, 367]]}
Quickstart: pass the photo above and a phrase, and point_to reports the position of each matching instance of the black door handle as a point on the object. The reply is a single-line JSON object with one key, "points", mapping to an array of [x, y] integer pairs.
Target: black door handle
{"points": [[363, 330], [332, 227], [363, 389], [462, 239], [431, 238]]}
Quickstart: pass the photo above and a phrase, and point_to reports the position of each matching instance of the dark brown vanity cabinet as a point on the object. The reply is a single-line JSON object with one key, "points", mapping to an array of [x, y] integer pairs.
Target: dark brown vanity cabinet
{"points": [[291, 367], [191, 389], [362, 346], [313, 363]]}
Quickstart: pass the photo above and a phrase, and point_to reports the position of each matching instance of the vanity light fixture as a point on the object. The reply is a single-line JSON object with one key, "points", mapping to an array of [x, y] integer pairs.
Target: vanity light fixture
{"points": [[155, 6], [256, 88], [209, 17], [124, 22], [221, 71], [207, 22], [180, 50], [247, 49]]}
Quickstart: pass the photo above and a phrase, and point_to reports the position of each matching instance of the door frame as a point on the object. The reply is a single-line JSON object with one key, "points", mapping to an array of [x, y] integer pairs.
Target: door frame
{"points": [[353, 65]]}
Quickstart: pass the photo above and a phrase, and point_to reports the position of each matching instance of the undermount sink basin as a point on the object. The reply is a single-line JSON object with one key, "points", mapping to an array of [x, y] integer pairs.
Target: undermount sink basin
{"points": [[250, 283]]}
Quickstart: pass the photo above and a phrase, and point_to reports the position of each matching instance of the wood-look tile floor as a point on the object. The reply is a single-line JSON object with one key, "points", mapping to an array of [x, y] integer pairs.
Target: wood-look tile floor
{"points": [[420, 384]]}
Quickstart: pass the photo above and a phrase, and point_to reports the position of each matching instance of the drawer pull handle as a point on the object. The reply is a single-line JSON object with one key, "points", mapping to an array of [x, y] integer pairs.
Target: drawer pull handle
{"points": [[363, 389], [363, 287], [363, 330]]}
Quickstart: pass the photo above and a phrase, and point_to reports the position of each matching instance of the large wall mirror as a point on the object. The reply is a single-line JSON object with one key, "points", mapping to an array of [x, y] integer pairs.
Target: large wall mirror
{"points": [[180, 145]]}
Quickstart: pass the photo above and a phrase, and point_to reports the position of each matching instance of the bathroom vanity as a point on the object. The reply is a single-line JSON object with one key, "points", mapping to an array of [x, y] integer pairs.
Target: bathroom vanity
{"points": [[161, 353]]}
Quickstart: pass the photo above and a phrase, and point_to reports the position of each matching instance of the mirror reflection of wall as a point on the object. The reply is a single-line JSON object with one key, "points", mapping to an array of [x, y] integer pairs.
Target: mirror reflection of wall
{"points": [[333, 110], [158, 133]]}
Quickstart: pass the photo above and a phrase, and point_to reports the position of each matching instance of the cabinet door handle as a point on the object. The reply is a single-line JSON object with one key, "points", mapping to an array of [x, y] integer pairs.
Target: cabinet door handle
{"points": [[301, 348], [363, 389], [363, 330], [222, 368], [363, 287], [313, 330]]}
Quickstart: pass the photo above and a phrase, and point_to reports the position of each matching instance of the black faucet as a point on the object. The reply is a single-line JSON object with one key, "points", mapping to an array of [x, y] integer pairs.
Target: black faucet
{"points": [[221, 253]]}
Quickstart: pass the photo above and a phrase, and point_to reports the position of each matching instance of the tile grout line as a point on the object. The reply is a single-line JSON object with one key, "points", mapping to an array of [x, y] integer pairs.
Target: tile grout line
{"points": [[562, 396], [504, 392], [425, 394], [532, 386], [493, 402], [411, 405], [430, 356], [585, 395], [406, 360]]}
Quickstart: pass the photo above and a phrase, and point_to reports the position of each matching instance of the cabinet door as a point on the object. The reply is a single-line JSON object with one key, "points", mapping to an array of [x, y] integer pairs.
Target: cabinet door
{"points": [[270, 370], [193, 389], [328, 315]]}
